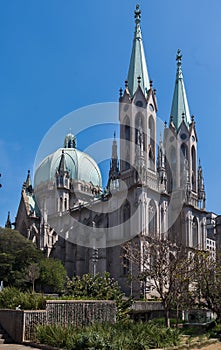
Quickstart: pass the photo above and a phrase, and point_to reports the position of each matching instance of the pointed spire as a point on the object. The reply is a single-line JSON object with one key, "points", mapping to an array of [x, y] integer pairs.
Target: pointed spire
{"points": [[138, 66], [114, 172], [28, 180], [62, 164], [201, 188], [8, 223], [180, 109]]}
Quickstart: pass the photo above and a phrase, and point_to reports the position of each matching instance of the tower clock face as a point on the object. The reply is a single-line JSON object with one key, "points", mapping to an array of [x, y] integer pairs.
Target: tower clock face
{"points": [[151, 107]]}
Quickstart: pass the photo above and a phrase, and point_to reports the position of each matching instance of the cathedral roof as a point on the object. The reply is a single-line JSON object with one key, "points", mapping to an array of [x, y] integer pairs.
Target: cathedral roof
{"points": [[180, 108], [138, 66], [79, 165]]}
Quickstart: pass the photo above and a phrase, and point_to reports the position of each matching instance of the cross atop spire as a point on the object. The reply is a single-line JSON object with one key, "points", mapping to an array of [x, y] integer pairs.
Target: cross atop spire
{"points": [[138, 65], [137, 14], [179, 58]]}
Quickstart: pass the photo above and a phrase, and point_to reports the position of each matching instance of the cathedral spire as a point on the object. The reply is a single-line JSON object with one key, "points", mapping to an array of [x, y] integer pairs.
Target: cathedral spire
{"points": [[8, 223], [62, 164], [180, 109], [138, 66], [114, 172], [28, 180]]}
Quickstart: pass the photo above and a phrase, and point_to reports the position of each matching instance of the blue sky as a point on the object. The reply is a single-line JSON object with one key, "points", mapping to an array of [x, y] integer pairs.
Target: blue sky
{"points": [[57, 56]]}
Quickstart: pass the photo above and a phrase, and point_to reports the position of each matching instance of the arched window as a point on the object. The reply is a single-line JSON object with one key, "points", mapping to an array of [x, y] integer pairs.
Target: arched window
{"points": [[65, 204], [195, 233], [126, 128], [184, 151], [152, 219], [139, 125], [61, 204], [126, 145], [172, 161], [125, 219], [193, 155], [151, 126], [183, 163]]}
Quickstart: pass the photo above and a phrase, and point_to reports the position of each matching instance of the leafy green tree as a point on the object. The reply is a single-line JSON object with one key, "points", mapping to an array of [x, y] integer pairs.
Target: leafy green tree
{"points": [[52, 275], [16, 254], [101, 287]]}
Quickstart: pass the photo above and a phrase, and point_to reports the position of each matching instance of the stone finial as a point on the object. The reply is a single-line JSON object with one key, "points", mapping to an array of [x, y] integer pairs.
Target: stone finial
{"points": [[126, 84], [121, 92]]}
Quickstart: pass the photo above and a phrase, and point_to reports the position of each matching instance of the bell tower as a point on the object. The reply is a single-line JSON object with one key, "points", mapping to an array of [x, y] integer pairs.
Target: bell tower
{"points": [[137, 112]]}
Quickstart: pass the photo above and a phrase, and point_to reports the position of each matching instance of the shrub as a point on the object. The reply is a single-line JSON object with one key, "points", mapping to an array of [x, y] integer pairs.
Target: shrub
{"points": [[11, 297], [120, 336]]}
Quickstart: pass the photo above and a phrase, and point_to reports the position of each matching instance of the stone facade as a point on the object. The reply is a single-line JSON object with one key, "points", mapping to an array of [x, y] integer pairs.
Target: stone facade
{"points": [[164, 183]]}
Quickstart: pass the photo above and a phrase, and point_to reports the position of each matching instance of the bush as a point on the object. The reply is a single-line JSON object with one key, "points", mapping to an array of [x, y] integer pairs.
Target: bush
{"points": [[99, 287], [11, 297], [120, 336]]}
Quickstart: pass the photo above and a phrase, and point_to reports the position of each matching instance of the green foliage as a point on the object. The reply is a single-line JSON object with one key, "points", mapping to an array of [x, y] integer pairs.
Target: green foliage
{"points": [[16, 254], [120, 336], [101, 287], [22, 264], [11, 297], [52, 274]]}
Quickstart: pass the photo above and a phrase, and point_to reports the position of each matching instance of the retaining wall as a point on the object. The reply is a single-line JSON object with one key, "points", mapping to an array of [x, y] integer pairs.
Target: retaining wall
{"points": [[20, 324]]}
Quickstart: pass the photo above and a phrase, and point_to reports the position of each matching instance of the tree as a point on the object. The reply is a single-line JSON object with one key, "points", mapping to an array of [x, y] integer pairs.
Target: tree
{"points": [[208, 282], [16, 254], [33, 274], [52, 275], [101, 287], [164, 267]]}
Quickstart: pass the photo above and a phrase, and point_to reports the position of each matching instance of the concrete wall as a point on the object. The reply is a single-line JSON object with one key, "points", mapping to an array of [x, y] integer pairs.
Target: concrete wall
{"points": [[20, 324], [80, 313]]}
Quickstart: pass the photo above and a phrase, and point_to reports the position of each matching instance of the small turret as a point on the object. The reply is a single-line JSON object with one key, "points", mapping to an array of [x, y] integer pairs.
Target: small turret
{"points": [[161, 167], [8, 223], [201, 188], [27, 185], [114, 173], [62, 174]]}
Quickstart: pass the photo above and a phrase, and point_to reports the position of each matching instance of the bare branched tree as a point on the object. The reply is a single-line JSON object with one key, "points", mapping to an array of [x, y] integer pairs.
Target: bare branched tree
{"points": [[165, 268], [208, 281]]}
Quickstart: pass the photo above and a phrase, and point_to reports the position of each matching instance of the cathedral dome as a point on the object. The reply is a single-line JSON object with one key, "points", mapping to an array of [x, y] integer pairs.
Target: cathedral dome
{"points": [[79, 165]]}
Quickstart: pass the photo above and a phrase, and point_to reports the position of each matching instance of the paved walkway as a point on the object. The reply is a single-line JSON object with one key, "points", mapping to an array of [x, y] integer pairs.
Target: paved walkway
{"points": [[15, 347]]}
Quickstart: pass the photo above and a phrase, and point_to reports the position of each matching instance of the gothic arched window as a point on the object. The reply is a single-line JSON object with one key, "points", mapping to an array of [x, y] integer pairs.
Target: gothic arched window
{"points": [[127, 137], [139, 125], [125, 219], [193, 155], [195, 233], [151, 126], [152, 219]]}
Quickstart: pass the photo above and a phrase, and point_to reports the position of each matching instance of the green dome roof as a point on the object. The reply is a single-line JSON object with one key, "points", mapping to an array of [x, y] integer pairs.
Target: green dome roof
{"points": [[79, 164]]}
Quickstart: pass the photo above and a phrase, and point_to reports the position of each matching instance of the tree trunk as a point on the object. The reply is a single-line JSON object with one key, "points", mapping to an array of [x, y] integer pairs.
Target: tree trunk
{"points": [[167, 318], [177, 315]]}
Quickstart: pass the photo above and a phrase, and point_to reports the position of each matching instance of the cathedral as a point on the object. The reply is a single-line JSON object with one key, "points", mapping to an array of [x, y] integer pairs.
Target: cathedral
{"points": [[154, 189]]}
